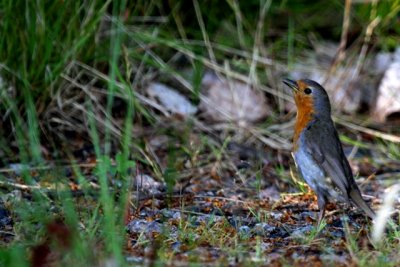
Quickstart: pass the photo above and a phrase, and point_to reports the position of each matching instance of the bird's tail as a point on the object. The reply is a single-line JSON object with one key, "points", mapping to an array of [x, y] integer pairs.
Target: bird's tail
{"points": [[356, 197]]}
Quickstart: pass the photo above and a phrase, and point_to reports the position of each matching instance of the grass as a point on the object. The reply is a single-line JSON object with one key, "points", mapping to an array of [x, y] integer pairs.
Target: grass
{"points": [[76, 72]]}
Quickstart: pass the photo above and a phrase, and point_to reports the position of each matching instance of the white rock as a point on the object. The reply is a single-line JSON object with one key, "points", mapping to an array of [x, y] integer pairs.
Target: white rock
{"points": [[147, 183], [171, 100], [388, 100], [232, 101]]}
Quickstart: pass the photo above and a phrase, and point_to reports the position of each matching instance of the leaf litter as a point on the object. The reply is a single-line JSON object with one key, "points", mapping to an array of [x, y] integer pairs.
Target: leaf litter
{"points": [[226, 221]]}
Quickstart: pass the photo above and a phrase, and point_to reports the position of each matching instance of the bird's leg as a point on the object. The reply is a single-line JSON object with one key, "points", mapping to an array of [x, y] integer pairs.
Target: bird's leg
{"points": [[321, 206]]}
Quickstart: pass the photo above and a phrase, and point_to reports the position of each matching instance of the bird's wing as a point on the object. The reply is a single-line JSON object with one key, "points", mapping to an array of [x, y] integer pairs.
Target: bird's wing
{"points": [[323, 144]]}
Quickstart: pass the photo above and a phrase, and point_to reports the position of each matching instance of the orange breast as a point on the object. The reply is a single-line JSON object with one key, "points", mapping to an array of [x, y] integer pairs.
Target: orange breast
{"points": [[305, 110]]}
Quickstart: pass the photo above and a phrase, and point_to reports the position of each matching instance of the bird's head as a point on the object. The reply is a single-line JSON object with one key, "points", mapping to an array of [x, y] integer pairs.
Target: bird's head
{"points": [[310, 97]]}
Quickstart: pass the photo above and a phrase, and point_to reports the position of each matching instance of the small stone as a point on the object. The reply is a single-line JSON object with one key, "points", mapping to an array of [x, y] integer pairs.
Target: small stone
{"points": [[133, 259], [137, 226], [5, 219], [147, 184], [302, 231], [140, 226], [177, 215], [154, 227], [171, 100], [244, 230], [263, 229], [276, 215], [176, 246]]}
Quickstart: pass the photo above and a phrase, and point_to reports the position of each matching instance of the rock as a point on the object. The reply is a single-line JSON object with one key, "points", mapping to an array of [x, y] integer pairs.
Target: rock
{"points": [[176, 246], [171, 100], [302, 232], [18, 168], [232, 101], [244, 230], [134, 260], [270, 193], [5, 219], [154, 227], [382, 62], [263, 229], [388, 100], [267, 230], [147, 184], [137, 226], [276, 215], [140, 226], [170, 214], [208, 219]]}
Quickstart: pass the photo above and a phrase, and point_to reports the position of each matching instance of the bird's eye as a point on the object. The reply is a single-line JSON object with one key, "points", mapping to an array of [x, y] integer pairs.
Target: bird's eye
{"points": [[307, 91]]}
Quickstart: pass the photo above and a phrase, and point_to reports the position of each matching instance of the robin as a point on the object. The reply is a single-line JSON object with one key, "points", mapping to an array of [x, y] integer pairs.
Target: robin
{"points": [[317, 150]]}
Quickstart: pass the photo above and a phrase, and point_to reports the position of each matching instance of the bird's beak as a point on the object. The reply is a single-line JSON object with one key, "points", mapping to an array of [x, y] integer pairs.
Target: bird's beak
{"points": [[292, 84]]}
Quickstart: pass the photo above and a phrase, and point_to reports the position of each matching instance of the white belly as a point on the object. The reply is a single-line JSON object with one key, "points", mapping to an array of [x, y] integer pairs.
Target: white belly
{"points": [[309, 169]]}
